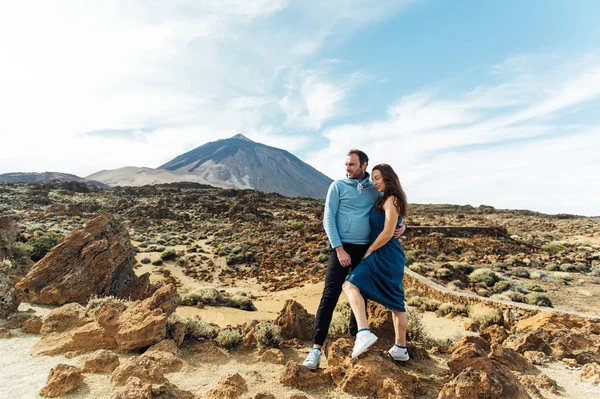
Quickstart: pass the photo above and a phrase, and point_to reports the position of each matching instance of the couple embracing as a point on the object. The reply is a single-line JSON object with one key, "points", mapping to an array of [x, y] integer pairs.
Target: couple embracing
{"points": [[362, 220]]}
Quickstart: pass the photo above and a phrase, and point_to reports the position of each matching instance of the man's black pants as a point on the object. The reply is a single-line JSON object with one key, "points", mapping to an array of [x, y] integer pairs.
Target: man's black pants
{"points": [[334, 279]]}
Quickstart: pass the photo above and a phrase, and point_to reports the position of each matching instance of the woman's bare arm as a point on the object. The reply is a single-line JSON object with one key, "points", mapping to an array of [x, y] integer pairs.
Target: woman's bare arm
{"points": [[391, 218]]}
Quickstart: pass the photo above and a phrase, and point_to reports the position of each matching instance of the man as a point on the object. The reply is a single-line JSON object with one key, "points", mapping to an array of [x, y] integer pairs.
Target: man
{"points": [[346, 222]]}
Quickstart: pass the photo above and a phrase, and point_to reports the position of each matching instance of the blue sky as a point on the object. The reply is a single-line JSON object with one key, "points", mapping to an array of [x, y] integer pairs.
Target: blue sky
{"points": [[472, 102]]}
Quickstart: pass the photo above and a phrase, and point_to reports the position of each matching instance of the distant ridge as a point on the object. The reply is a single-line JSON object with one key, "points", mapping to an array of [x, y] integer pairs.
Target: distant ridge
{"points": [[46, 177]]}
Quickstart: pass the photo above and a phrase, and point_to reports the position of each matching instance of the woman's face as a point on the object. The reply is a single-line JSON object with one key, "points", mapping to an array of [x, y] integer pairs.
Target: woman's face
{"points": [[378, 181]]}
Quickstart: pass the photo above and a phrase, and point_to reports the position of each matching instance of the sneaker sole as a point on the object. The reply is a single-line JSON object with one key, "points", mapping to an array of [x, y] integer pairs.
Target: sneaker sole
{"points": [[400, 359], [311, 368]]}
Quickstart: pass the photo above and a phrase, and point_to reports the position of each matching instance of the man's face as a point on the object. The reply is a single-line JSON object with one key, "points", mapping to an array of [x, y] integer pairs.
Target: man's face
{"points": [[354, 170]]}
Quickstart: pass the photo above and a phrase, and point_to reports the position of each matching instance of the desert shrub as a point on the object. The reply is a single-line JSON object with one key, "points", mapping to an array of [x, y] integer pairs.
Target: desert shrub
{"points": [[552, 267], [207, 296], [340, 322], [553, 248], [430, 305], [484, 275], [415, 329], [410, 258], [568, 267], [595, 272], [229, 338], [322, 258], [537, 299], [6, 264], [242, 302], [95, 302], [484, 315], [415, 301], [157, 262], [534, 287], [519, 272], [21, 250], [200, 329], [268, 335], [502, 286], [445, 309], [514, 296], [169, 254], [41, 245], [145, 261], [443, 273]]}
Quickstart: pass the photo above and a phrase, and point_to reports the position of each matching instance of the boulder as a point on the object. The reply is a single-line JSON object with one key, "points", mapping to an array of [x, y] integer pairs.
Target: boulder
{"points": [[143, 368], [10, 295], [32, 325], [495, 334], [134, 388], [112, 325], [5, 333], [591, 373], [95, 260], [102, 361], [297, 376], [61, 380], [512, 360], [228, 387], [295, 321], [369, 375]]}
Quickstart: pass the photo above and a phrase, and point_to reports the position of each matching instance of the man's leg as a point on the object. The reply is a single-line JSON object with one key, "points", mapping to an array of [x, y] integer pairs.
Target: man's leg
{"points": [[334, 279], [356, 252]]}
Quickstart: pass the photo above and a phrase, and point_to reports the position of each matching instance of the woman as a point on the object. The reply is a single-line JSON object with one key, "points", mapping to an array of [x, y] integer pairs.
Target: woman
{"points": [[379, 275]]}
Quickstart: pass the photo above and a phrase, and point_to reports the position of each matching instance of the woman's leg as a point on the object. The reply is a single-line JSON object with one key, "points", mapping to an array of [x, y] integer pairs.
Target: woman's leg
{"points": [[357, 303], [400, 323]]}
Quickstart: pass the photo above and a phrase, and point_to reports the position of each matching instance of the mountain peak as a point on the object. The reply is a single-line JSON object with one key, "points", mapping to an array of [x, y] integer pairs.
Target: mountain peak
{"points": [[241, 137]]}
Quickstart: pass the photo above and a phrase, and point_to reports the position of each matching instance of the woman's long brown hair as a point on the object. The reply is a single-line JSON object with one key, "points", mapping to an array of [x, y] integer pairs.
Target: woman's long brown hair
{"points": [[392, 188]]}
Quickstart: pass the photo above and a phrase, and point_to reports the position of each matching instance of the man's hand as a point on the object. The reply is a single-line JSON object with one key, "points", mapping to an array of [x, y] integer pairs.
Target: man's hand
{"points": [[399, 231], [343, 256]]}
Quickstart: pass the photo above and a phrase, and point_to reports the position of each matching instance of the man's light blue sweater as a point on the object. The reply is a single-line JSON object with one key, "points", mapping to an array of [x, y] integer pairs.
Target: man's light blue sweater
{"points": [[347, 208]]}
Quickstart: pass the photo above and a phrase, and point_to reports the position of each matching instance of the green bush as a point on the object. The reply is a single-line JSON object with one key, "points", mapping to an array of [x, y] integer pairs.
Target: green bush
{"points": [[502, 286], [145, 261], [95, 302], [485, 315], [553, 248], [484, 275], [410, 258], [534, 287], [207, 296], [242, 302], [268, 335], [229, 338], [430, 305], [169, 254], [157, 262], [537, 299], [21, 250], [42, 245], [415, 329], [200, 329]]}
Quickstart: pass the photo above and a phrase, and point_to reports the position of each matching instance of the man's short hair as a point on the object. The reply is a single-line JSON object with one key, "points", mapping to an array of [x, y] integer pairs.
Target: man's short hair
{"points": [[362, 157]]}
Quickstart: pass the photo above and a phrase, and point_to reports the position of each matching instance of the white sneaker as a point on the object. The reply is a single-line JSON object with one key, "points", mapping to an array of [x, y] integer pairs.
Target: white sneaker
{"points": [[313, 359], [364, 340], [400, 354]]}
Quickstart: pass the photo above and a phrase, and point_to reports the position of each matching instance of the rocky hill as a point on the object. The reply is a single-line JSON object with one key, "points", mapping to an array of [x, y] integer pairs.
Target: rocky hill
{"points": [[239, 162]]}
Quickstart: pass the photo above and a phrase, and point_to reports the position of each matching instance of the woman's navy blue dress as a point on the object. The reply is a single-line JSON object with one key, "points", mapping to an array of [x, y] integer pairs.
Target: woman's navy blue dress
{"points": [[379, 276]]}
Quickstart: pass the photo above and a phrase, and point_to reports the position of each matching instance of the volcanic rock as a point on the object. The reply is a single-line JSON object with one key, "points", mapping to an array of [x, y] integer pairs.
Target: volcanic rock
{"points": [[5, 333], [32, 325], [295, 321], [136, 389], [591, 373], [144, 368], [96, 260], [61, 380], [272, 355], [369, 375], [228, 387], [296, 375], [102, 361]]}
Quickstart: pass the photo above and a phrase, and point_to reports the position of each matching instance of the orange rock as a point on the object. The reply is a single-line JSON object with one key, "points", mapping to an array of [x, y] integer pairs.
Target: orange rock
{"points": [[32, 325], [144, 368], [296, 375], [295, 321], [273, 355], [102, 361], [228, 387], [61, 380], [591, 373]]}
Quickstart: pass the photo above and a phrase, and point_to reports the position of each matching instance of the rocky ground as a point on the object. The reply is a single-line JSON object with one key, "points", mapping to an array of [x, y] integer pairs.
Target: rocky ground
{"points": [[197, 280]]}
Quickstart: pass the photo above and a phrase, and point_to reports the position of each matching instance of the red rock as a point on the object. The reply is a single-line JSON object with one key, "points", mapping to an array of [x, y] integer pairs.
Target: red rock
{"points": [[495, 334], [33, 325], [102, 361], [97, 259], [61, 380], [228, 387], [145, 369], [511, 359], [274, 356], [295, 321], [5, 333], [296, 375]]}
